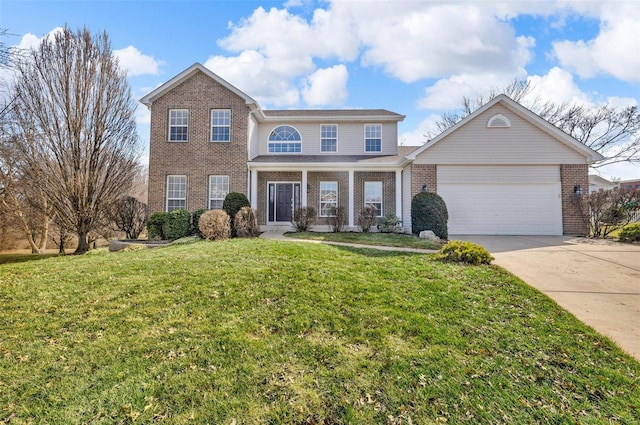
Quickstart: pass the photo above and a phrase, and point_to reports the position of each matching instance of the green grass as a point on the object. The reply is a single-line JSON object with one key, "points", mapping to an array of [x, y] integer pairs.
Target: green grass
{"points": [[257, 331], [381, 239]]}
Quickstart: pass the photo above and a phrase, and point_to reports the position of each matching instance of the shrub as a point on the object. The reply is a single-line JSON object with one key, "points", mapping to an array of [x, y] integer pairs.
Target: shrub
{"points": [[367, 218], [215, 225], [465, 252], [246, 223], [429, 212], [304, 218], [631, 233], [195, 218], [156, 226], [178, 224], [232, 204], [390, 223], [338, 219]]}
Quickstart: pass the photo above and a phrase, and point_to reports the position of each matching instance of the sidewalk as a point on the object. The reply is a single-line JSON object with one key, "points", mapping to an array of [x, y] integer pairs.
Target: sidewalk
{"points": [[279, 236]]}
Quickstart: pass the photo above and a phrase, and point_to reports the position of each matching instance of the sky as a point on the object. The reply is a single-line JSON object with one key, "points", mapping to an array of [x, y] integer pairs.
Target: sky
{"points": [[417, 58]]}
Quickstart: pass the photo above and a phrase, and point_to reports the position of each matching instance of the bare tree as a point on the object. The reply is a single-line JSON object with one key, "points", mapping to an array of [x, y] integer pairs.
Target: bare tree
{"points": [[76, 127], [22, 197], [611, 131], [606, 211]]}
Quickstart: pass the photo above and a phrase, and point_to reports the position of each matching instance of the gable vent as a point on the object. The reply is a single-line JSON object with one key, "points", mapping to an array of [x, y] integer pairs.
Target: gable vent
{"points": [[499, 121]]}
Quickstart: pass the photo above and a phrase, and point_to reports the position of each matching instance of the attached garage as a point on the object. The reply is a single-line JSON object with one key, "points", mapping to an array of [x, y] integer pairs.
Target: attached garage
{"points": [[502, 200], [505, 171]]}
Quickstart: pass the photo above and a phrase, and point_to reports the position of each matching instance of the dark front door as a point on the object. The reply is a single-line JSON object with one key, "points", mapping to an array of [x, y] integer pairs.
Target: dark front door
{"points": [[284, 202]]}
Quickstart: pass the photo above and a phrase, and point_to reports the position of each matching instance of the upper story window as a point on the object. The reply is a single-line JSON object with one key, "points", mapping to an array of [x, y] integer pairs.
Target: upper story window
{"points": [[285, 139], [373, 137], [178, 125], [176, 192], [498, 121], [329, 138], [220, 125]]}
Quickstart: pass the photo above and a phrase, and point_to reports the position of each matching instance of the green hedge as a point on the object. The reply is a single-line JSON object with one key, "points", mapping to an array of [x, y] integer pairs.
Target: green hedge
{"points": [[429, 212]]}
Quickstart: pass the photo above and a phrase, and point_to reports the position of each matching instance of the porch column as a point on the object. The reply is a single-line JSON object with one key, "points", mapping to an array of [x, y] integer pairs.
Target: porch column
{"points": [[351, 200], [303, 189], [254, 189], [399, 194]]}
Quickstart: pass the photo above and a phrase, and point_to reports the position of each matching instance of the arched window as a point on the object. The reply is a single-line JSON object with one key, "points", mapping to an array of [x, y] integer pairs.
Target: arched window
{"points": [[285, 139], [499, 121]]}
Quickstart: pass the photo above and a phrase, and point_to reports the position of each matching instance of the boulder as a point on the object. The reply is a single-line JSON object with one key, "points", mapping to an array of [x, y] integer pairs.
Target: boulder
{"points": [[429, 235]]}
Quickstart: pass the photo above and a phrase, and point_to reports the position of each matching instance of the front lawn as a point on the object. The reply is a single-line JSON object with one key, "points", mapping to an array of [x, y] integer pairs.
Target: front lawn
{"points": [[381, 239], [258, 331]]}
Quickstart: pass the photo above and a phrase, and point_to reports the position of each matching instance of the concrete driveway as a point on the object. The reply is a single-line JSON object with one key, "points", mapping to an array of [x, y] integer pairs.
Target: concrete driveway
{"points": [[598, 281]]}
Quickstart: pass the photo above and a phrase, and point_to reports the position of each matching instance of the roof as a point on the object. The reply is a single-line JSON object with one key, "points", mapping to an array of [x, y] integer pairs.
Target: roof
{"points": [[334, 114], [600, 181], [527, 115], [187, 73], [334, 162]]}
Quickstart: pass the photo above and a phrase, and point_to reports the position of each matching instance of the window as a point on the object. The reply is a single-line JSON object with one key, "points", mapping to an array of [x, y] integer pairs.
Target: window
{"points": [[178, 125], [220, 125], [285, 139], [372, 137], [218, 190], [498, 121], [176, 192], [373, 196], [329, 138], [328, 198]]}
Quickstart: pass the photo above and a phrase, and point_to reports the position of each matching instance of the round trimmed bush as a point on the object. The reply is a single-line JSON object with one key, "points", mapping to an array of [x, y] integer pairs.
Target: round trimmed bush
{"points": [[464, 252], [178, 224], [246, 223], [215, 225], [429, 212], [631, 233], [156, 226]]}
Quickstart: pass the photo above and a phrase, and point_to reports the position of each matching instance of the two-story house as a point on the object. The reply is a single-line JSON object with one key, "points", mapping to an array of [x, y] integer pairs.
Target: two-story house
{"points": [[501, 170]]}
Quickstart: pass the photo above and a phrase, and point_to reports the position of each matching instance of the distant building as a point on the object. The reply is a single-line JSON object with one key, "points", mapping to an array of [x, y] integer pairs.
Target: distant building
{"points": [[597, 183], [630, 184]]}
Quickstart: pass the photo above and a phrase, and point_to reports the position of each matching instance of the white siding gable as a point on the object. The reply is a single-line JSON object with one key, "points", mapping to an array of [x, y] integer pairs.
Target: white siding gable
{"points": [[350, 137], [521, 143]]}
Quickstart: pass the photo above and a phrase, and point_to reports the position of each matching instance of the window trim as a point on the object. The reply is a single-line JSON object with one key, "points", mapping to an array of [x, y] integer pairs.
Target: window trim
{"points": [[218, 199], [171, 126], [220, 126], [328, 138], [272, 143], [494, 121], [372, 138], [320, 201], [167, 198], [364, 190]]}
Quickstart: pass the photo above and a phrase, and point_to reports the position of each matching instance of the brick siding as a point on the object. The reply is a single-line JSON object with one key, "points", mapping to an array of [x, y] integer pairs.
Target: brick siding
{"points": [[422, 174], [313, 196], [571, 175], [388, 180], [198, 158]]}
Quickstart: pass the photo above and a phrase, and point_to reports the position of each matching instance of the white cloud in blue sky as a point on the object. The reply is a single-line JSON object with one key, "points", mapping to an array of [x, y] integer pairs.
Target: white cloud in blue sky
{"points": [[417, 58]]}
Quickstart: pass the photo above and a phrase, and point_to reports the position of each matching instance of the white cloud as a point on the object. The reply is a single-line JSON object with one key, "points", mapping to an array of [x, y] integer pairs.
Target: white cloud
{"points": [[557, 86], [136, 63], [622, 171], [143, 115], [419, 135], [252, 73], [614, 51], [327, 86]]}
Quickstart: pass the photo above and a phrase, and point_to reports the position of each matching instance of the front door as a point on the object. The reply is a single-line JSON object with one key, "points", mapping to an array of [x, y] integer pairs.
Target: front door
{"points": [[283, 198]]}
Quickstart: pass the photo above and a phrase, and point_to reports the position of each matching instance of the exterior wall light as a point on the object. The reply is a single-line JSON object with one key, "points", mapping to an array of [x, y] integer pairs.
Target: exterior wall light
{"points": [[425, 188], [577, 189]]}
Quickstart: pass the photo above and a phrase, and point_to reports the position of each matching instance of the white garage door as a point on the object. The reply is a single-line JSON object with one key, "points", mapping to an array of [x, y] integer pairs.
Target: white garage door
{"points": [[502, 200]]}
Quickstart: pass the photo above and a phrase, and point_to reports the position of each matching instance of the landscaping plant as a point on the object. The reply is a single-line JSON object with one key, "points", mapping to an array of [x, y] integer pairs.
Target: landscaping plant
{"points": [[465, 252], [215, 225], [304, 218], [337, 219], [246, 223], [232, 204], [429, 212], [367, 218]]}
